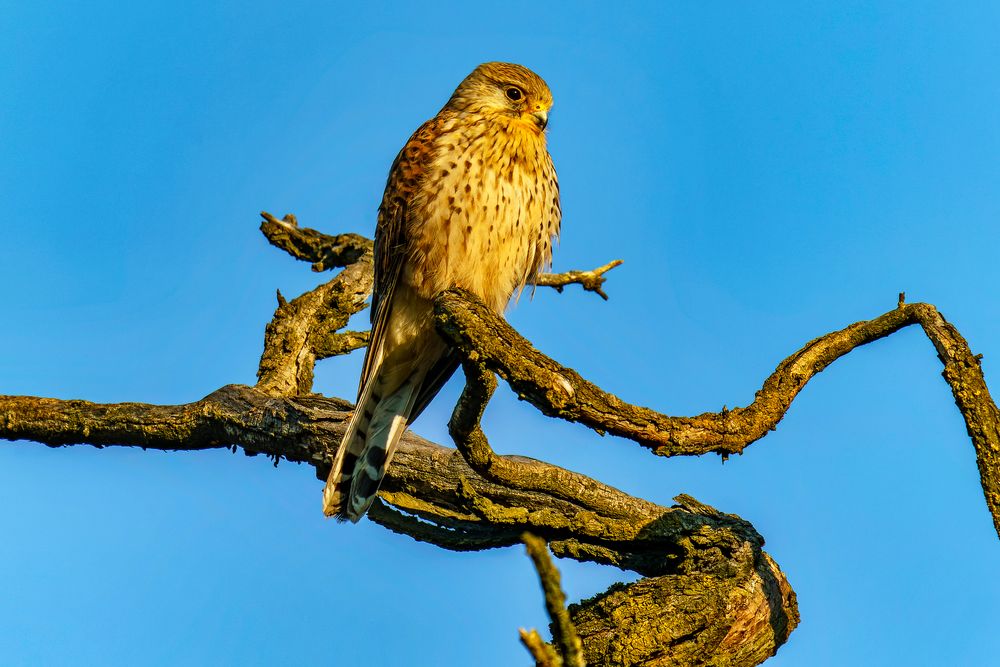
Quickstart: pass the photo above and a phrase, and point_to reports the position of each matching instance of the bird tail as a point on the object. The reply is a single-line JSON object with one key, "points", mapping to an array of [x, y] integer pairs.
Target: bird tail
{"points": [[378, 422]]}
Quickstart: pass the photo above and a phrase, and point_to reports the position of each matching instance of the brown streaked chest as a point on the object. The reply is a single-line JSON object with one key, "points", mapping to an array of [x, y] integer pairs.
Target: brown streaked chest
{"points": [[486, 212]]}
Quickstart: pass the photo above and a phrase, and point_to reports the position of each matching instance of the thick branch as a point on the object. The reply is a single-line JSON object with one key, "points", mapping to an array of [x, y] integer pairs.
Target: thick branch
{"points": [[606, 645], [436, 497], [431, 481], [558, 391], [671, 620]]}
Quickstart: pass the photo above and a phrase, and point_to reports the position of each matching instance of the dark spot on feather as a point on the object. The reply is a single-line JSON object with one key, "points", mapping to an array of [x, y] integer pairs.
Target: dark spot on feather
{"points": [[375, 457], [363, 487]]}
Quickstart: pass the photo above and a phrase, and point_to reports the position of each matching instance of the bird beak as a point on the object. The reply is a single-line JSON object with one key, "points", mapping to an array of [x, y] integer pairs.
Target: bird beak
{"points": [[541, 119]]}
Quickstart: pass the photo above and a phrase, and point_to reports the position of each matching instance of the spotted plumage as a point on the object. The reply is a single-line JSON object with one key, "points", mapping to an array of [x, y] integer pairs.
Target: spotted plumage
{"points": [[472, 201]]}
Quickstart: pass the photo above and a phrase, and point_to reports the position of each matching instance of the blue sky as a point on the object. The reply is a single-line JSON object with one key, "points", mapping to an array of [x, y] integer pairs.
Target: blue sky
{"points": [[768, 172]]}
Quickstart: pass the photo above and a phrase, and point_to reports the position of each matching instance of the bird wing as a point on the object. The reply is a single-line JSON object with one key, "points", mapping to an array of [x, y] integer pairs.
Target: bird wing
{"points": [[402, 186]]}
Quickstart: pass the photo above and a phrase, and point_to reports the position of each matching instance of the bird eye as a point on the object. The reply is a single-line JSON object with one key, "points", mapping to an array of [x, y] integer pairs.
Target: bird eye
{"points": [[514, 94]]}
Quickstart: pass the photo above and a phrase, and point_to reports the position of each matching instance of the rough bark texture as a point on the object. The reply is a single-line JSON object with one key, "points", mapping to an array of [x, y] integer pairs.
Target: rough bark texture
{"points": [[709, 594]]}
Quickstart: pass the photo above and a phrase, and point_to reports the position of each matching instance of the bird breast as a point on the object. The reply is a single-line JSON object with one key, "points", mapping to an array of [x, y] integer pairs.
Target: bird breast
{"points": [[486, 213]]}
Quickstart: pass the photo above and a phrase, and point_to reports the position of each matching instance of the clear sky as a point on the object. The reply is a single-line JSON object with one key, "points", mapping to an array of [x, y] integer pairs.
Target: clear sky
{"points": [[768, 171]]}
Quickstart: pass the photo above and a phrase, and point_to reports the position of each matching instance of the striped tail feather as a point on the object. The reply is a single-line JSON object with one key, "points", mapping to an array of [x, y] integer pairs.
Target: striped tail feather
{"points": [[338, 483], [369, 443]]}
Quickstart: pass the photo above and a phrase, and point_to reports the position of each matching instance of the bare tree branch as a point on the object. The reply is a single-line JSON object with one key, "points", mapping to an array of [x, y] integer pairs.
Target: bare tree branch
{"points": [[563, 632], [558, 391], [592, 280], [542, 652], [322, 250], [304, 330]]}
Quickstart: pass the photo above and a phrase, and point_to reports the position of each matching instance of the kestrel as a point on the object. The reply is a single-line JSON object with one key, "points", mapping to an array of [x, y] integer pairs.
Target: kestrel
{"points": [[471, 201]]}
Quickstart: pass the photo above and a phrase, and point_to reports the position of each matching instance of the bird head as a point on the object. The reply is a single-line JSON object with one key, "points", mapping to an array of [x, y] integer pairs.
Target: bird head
{"points": [[504, 89]]}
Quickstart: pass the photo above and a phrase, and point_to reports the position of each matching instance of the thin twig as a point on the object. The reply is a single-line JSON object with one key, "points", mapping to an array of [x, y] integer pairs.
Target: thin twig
{"points": [[563, 631], [540, 650], [592, 281]]}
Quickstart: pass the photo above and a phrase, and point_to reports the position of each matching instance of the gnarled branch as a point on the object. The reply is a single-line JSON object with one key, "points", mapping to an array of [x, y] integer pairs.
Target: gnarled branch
{"points": [[321, 250], [480, 335]]}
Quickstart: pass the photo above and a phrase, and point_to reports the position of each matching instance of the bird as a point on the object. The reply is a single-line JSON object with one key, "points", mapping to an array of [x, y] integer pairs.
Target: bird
{"points": [[471, 202]]}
